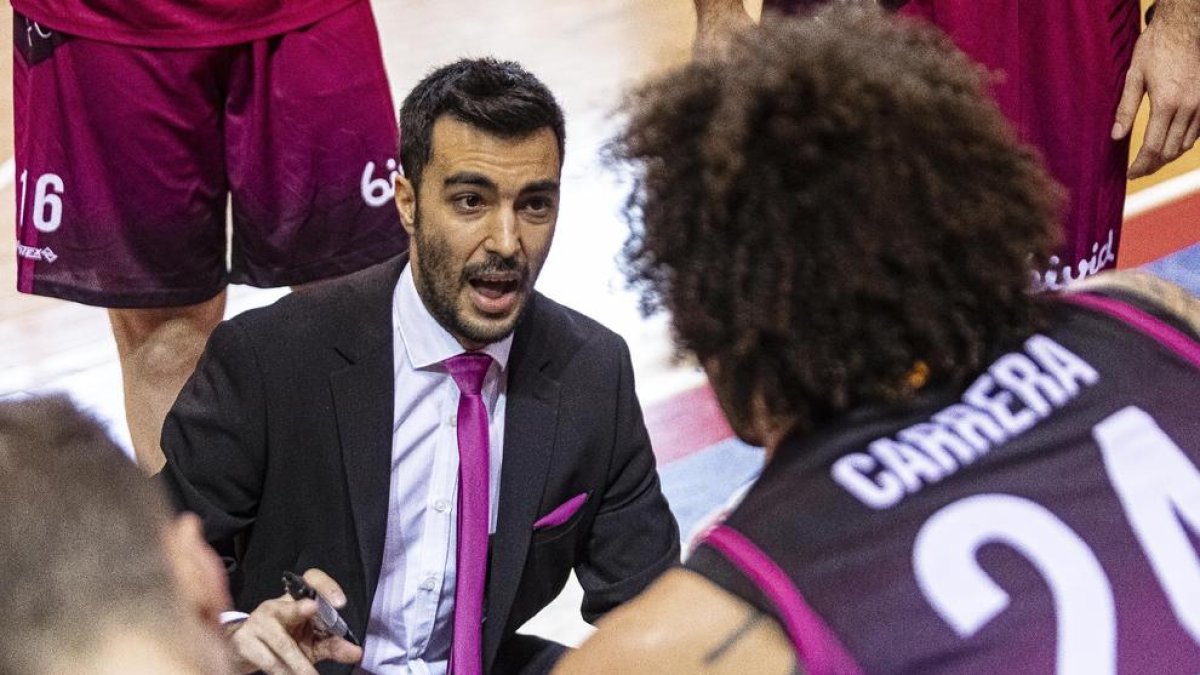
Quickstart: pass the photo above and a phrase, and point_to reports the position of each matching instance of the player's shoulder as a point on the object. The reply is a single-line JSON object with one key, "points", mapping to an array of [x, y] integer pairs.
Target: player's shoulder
{"points": [[1147, 293], [359, 302]]}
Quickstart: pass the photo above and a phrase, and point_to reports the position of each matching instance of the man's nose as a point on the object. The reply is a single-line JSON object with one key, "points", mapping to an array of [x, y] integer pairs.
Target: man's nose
{"points": [[505, 236]]}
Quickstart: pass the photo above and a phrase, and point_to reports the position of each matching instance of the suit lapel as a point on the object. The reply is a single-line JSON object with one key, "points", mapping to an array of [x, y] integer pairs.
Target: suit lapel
{"points": [[529, 430], [364, 400]]}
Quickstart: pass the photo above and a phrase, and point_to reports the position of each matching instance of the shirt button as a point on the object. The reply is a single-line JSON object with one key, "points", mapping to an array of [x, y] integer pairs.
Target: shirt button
{"points": [[452, 420], [441, 505], [429, 584]]}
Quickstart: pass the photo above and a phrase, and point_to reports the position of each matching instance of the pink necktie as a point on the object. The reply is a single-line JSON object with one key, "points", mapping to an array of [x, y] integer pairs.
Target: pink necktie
{"points": [[468, 371]]}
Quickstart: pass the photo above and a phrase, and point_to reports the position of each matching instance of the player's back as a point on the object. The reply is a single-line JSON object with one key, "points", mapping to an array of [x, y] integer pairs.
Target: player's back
{"points": [[1043, 518]]}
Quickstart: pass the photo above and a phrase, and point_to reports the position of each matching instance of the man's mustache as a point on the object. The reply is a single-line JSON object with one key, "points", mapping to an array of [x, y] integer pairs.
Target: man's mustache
{"points": [[495, 264]]}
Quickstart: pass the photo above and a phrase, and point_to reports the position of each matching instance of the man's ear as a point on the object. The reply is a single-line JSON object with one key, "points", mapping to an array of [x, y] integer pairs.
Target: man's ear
{"points": [[198, 571], [406, 201]]}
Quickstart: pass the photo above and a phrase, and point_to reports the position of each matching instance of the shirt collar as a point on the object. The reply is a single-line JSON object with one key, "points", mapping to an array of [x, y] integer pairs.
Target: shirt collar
{"points": [[427, 342]]}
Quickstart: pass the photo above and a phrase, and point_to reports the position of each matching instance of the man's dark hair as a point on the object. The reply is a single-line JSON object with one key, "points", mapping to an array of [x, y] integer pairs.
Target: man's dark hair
{"points": [[830, 202], [80, 529], [499, 97]]}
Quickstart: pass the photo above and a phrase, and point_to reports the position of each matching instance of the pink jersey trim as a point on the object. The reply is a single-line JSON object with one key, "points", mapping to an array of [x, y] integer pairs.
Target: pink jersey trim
{"points": [[1167, 335], [817, 648]]}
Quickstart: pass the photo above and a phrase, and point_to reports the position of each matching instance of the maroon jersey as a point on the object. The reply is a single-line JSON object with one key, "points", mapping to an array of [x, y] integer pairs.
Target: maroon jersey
{"points": [[176, 24], [1042, 518], [1059, 70]]}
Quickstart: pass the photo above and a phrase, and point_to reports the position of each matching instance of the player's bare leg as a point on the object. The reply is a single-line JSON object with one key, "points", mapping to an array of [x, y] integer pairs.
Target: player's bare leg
{"points": [[158, 349]]}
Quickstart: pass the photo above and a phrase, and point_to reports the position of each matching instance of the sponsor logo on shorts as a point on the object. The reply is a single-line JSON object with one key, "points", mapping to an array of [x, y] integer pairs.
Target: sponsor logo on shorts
{"points": [[39, 42], [1060, 276], [35, 28], [35, 253], [379, 191]]}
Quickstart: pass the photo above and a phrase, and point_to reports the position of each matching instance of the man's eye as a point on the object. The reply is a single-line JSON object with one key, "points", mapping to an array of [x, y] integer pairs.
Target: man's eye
{"points": [[468, 202], [539, 204]]}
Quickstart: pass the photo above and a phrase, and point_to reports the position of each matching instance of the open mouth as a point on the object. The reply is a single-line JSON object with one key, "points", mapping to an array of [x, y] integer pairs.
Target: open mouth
{"points": [[495, 293], [496, 286]]}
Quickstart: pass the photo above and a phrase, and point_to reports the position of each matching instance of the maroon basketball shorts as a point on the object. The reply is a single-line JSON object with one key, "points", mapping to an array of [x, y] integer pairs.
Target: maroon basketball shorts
{"points": [[126, 160]]}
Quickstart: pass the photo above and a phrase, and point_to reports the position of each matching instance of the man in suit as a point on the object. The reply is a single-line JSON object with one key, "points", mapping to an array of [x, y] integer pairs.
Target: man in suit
{"points": [[325, 432]]}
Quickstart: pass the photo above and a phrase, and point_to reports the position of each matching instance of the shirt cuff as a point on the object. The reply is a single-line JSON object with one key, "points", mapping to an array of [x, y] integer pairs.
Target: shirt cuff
{"points": [[231, 618]]}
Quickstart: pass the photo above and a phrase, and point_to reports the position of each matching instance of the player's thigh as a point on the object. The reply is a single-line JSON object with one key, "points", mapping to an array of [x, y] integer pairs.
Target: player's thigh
{"points": [[311, 137], [119, 171]]}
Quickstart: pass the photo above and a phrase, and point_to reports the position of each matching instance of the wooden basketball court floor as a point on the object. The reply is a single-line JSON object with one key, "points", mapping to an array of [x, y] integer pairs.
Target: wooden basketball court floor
{"points": [[587, 52]]}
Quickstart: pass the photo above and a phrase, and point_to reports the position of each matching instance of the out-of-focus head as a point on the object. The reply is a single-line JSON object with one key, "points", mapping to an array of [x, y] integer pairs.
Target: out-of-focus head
{"points": [[826, 204], [482, 150], [93, 559]]}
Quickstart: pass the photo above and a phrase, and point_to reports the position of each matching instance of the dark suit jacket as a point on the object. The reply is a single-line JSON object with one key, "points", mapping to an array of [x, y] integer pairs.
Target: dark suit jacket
{"points": [[281, 441]]}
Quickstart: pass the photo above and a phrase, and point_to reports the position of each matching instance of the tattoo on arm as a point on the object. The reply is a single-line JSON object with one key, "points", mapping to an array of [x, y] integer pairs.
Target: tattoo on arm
{"points": [[715, 655]]}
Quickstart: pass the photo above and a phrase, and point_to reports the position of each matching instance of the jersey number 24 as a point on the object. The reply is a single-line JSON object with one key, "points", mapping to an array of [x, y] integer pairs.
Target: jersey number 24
{"points": [[1159, 489]]}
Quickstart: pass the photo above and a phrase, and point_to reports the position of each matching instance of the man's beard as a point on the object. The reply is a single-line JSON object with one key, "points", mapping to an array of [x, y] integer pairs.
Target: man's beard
{"points": [[439, 286]]}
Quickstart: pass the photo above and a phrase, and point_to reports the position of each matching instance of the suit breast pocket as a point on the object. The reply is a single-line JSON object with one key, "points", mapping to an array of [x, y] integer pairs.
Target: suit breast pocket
{"points": [[561, 520]]}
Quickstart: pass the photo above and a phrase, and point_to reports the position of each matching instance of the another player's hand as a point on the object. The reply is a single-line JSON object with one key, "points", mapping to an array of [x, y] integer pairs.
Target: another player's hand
{"points": [[279, 639], [1166, 67]]}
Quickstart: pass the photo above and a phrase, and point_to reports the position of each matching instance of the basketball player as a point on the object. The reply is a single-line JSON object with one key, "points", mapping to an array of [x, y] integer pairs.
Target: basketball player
{"points": [[963, 476], [1061, 79], [99, 577], [136, 120]]}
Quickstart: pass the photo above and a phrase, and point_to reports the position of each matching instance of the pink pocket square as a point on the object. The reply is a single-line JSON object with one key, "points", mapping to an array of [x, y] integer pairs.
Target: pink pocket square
{"points": [[563, 513]]}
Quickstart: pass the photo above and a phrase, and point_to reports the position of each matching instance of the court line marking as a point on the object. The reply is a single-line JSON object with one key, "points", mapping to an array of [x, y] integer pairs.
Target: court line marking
{"points": [[1161, 194]]}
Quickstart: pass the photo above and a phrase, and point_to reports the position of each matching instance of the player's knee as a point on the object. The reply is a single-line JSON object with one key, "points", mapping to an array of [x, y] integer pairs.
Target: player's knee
{"points": [[161, 343], [138, 327]]}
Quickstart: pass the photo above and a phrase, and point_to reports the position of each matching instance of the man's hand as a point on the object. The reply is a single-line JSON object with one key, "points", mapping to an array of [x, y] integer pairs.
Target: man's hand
{"points": [[716, 22], [1166, 67], [279, 639]]}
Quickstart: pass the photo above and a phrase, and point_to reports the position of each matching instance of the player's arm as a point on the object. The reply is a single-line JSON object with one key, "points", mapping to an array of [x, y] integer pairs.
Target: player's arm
{"points": [[1166, 68], [1151, 289], [684, 624]]}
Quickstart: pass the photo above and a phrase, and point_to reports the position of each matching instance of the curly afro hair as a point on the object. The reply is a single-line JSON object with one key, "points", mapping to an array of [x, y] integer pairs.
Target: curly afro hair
{"points": [[828, 203]]}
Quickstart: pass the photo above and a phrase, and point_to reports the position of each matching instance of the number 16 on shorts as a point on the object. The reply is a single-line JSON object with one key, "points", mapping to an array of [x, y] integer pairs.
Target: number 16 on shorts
{"points": [[46, 205]]}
